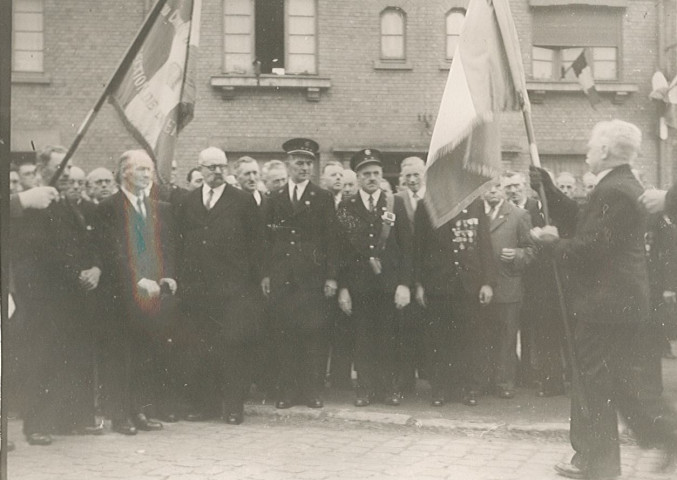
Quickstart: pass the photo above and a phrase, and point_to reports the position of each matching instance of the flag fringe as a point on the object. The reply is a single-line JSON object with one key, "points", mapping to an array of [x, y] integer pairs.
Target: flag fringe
{"points": [[480, 118]]}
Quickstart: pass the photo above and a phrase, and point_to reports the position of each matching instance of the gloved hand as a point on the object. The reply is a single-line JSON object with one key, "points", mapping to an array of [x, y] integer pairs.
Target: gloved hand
{"points": [[539, 176]]}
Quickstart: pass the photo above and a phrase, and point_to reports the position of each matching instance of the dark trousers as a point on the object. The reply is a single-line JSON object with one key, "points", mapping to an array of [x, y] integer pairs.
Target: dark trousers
{"points": [[411, 346], [302, 356], [58, 391], [618, 365], [217, 369], [342, 341], [376, 342], [453, 337], [134, 371]]}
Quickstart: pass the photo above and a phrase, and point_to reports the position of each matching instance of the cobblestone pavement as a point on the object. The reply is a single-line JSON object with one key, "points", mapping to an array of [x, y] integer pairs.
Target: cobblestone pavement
{"points": [[298, 449]]}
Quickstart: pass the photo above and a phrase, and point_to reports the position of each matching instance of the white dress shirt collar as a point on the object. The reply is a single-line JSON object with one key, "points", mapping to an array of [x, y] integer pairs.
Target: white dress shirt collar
{"points": [[301, 188], [419, 195], [257, 197], [365, 197], [133, 198], [603, 174], [488, 209], [218, 191]]}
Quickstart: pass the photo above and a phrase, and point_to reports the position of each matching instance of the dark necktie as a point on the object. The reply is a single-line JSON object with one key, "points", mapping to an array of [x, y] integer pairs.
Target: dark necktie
{"points": [[210, 197], [296, 195], [141, 206], [371, 204]]}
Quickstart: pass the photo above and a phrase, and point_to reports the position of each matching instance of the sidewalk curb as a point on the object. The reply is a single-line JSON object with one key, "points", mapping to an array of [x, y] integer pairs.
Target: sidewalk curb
{"points": [[553, 430]]}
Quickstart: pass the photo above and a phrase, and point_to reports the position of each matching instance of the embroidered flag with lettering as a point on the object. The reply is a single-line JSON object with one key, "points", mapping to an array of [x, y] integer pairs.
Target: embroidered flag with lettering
{"points": [[156, 95]]}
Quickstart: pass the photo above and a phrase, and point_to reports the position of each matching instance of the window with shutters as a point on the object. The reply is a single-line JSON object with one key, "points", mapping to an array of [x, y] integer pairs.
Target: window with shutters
{"points": [[455, 19], [393, 39], [28, 42], [561, 34], [270, 36]]}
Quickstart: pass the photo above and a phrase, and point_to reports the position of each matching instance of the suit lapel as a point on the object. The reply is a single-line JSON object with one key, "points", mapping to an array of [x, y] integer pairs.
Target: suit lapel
{"points": [[501, 217], [409, 207]]}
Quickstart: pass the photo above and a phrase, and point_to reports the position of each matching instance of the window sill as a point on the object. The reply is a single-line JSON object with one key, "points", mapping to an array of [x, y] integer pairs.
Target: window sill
{"points": [[445, 65], [539, 89], [392, 65], [312, 84], [31, 77]]}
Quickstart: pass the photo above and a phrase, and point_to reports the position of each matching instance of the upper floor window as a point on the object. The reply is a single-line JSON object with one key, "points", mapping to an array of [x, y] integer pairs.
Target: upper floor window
{"points": [[393, 23], [280, 34], [28, 39], [455, 19], [561, 34]]}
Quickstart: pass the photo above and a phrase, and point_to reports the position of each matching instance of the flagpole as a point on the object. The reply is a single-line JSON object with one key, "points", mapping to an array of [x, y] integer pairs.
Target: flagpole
{"points": [[576, 385], [122, 67]]}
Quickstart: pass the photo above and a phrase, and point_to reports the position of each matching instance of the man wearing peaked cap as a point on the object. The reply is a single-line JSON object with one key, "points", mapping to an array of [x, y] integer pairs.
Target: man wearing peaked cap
{"points": [[300, 275], [368, 156], [373, 283], [301, 146]]}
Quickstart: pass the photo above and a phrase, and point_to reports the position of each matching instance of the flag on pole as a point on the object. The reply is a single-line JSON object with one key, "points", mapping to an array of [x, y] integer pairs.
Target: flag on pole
{"points": [[486, 77], [155, 96], [584, 76]]}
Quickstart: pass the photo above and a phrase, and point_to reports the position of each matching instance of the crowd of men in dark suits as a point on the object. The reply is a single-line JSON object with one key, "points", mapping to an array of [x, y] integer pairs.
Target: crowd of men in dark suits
{"points": [[184, 298]]}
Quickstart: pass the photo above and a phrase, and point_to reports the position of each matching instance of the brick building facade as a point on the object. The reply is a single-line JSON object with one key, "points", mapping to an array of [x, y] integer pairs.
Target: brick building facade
{"points": [[357, 73]]}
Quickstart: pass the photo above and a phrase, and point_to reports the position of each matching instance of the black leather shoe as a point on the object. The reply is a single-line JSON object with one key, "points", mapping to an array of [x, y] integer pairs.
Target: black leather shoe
{"points": [[393, 400], [169, 417], [315, 403], [196, 417], [569, 470], [125, 427], [91, 430], [144, 423], [39, 439], [362, 401], [470, 399], [284, 404], [234, 419]]}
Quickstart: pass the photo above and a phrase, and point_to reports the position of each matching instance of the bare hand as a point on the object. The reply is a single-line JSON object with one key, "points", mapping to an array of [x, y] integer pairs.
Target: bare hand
{"points": [[546, 235], [149, 287], [345, 302], [330, 287], [420, 295], [486, 294], [89, 279], [653, 200], [402, 297], [38, 197], [508, 255], [265, 286], [171, 284]]}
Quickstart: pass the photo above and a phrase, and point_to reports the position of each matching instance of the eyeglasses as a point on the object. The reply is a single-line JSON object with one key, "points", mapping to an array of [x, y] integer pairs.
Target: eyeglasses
{"points": [[212, 168]]}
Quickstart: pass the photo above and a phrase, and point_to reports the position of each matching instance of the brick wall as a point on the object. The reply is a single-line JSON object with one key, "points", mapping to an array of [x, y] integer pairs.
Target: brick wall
{"points": [[364, 106]]}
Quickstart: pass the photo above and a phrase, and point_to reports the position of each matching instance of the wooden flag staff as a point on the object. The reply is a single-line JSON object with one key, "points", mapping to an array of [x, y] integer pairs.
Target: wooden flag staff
{"points": [[576, 386], [122, 67]]}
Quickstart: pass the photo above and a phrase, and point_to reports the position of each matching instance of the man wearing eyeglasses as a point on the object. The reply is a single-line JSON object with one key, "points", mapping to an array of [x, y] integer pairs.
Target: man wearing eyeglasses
{"points": [[100, 184], [220, 231]]}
